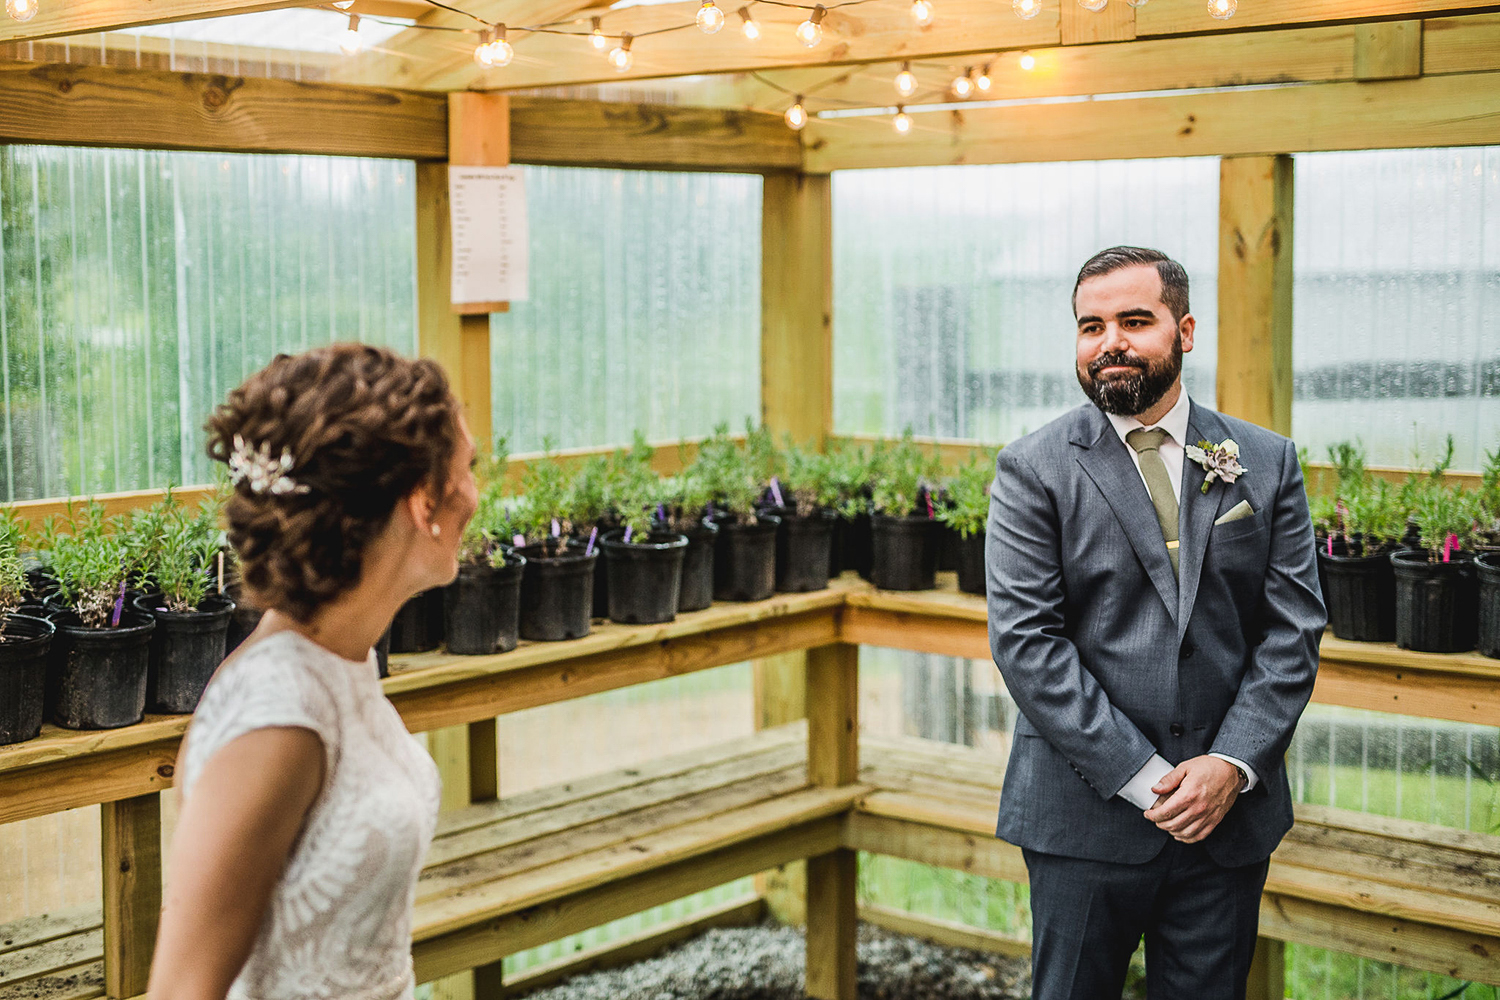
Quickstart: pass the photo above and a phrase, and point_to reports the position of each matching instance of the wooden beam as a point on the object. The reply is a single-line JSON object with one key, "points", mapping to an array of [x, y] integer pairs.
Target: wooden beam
{"points": [[111, 106], [1115, 23], [1429, 111], [130, 847], [125, 50], [1461, 44], [833, 715], [1189, 18], [1255, 290], [950, 933], [1388, 50], [832, 919], [73, 17], [645, 136], [796, 279], [1267, 980], [780, 697]]}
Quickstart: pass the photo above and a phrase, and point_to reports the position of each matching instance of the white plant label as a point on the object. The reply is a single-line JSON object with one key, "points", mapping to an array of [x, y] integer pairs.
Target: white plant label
{"points": [[487, 213]]}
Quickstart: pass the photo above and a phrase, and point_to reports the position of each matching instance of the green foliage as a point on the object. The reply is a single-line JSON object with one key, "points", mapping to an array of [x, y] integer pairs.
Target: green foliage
{"points": [[900, 473], [184, 557], [810, 480], [546, 496], [850, 470], [12, 572], [1372, 516], [147, 532], [635, 489], [1442, 511], [490, 529], [587, 502], [732, 474], [1348, 460], [683, 498], [968, 493], [89, 561]]}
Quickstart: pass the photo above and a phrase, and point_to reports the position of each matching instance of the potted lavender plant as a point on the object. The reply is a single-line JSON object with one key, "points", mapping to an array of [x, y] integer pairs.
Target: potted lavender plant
{"points": [[24, 641]]}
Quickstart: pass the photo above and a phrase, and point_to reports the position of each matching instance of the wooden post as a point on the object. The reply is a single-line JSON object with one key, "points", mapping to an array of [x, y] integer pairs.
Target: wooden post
{"points": [[1255, 290], [832, 759], [478, 135], [1267, 971], [130, 855]]}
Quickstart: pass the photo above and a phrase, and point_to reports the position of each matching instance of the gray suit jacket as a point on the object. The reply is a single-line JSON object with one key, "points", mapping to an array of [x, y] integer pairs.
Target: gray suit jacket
{"points": [[1110, 660]]}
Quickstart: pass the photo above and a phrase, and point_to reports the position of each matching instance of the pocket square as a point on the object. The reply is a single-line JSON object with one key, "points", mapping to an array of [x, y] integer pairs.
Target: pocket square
{"points": [[1235, 513]]}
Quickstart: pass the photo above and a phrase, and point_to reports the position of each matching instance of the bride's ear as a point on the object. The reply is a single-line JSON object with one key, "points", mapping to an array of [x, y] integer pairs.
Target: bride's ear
{"points": [[421, 507]]}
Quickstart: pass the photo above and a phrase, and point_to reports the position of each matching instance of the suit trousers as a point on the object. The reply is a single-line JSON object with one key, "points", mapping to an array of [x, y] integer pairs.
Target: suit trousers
{"points": [[1199, 920]]}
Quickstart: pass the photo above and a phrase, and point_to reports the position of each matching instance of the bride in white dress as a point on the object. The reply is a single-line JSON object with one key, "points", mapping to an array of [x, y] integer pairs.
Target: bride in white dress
{"points": [[306, 807]]}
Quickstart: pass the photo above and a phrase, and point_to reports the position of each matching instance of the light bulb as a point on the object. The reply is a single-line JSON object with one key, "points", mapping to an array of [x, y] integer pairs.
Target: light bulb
{"points": [[796, 115], [902, 121], [921, 12], [710, 18], [750, 29], [1028, 61], [483, 54], [963, 86], [1026, 9], [21, 10], [501, 52], [620, 57], [983, 81], [1222, 9], [1137, 3], [343, 4], [810, 32], [906, 81], [348, 41], [596, 36], [1094, 5]]}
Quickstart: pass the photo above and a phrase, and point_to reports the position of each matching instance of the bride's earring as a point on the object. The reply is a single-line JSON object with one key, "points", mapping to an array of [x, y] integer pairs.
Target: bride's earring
{"points": [[436, 530]]}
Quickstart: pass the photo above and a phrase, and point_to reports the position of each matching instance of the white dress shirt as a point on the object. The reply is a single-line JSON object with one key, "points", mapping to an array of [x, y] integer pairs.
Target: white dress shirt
{"points": [[1137, 790]]}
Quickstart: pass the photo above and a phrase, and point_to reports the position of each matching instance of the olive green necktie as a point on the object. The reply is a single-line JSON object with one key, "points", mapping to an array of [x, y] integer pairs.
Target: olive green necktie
{"points": [[1154, 471]]}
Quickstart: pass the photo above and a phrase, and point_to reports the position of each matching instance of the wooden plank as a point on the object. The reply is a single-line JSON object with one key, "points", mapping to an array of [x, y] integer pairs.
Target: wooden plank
{"points": [[780, 697], [105, 776], [1115, 23], [1267, 979], [72, 17], [1459, 697], [1461, 110], [72, 953], [975, 853], [134, 51], [467, 944], [130, 845], [1255, 290], [796, 339], [905, 630], [478, 136], [635, 947], [34, 513], [1388, 50], [648, 136], [950, 933], [1461, 44], [833, 715], [41, 928], [111, 106], [1189, 18], [832, 920]]}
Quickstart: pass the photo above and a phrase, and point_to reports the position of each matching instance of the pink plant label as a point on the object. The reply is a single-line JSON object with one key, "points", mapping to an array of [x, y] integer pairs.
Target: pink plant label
{"points": [[519, 540], [556, 528]]}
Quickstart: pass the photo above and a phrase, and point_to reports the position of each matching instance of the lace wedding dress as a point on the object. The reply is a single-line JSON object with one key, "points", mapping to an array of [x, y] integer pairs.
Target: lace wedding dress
{"points": [[338, 926]]}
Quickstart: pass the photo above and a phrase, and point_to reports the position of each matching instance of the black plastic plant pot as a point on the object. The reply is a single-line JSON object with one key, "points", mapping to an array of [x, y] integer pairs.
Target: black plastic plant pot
{"points": [[1360, 592], [948, 545], [1488, 640], [645, 578], [383, 654], [482, 607], [804, 552], [96, 677], [697, 590], [1437, 604], [745, 563], [186, 648], [904, 550], [557, 593], [600, 606], [971, 563], [836, 565], [24, 642], [859, 544], [418, 626]]}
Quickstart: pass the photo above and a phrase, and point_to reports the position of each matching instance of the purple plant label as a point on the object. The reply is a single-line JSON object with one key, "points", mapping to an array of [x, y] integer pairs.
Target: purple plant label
{"points": [[776, 492], [628, 532], [519, 540], [661, 512], [114, 621], [593, 534], [556, 528]]}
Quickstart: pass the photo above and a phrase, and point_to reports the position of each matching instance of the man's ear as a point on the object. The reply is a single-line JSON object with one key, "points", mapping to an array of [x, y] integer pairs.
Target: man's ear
{"points": [[1185, 328]]}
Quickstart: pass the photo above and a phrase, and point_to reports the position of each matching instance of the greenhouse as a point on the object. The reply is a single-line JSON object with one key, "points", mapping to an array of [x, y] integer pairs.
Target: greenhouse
{"points": [[758, 317]]}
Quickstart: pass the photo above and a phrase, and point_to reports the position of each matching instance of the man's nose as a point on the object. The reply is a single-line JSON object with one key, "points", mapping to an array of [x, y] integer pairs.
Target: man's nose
{"points": [[1114, 339]]}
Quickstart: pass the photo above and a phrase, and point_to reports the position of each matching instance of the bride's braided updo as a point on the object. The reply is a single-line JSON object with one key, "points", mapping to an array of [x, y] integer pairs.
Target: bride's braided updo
{"points": [[362, 427]]}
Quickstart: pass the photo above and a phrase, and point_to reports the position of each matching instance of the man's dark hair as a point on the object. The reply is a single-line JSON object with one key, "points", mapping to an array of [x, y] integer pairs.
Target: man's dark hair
{"points": [[1174, 280]]}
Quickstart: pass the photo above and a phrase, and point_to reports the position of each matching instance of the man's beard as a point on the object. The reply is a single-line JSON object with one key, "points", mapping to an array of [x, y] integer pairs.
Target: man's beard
{"points": [[1128, 395]]}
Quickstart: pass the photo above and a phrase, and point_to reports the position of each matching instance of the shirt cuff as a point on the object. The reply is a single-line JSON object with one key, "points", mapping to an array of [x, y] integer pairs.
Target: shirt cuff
{"points": [[1250, 778], [1137, 790]]}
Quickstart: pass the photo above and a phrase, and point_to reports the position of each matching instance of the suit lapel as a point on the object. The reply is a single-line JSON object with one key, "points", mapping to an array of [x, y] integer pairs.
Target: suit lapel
{"points": [[1105, 461], [1196, 512]]}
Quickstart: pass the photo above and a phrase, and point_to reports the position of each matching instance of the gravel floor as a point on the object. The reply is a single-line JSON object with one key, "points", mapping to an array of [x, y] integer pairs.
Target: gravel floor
{"points": [[766, 963]]}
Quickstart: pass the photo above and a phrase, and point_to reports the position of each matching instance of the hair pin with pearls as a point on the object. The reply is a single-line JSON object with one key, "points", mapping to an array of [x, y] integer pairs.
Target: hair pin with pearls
{"points": [[264, 474]]}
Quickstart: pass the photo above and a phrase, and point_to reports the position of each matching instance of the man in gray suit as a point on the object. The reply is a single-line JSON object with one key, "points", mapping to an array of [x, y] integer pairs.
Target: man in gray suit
{"points": [[1155, 611]]}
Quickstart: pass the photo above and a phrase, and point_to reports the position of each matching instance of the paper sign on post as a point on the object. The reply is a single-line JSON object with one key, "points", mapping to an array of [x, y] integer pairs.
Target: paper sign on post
{"points": [[487, 208]]}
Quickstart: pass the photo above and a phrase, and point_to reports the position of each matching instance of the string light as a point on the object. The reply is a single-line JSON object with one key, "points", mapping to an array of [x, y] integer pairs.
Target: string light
{"points": [[963, 86], [749, 28], [21, 10], [1137, 3], [921, 12], [349, 41], [1028, 61], [810, 32], [596, 36], [483, 54], [710, 18], [1093, 5], [1222, 10], [501, 52], [796, 115], [620, 57], [1026, 9], [983, 80], [902, 121], [906, 81], [343, 4]]}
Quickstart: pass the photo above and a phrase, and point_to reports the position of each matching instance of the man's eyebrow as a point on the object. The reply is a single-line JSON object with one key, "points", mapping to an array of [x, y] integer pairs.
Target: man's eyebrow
{"points": [[1082, 320], [1138, 312]]}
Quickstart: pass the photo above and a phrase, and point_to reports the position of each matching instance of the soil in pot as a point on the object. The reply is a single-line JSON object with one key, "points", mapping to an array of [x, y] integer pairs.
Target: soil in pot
{"points": [[482, 607], [24, 642], [905, 553], [804, 548], [745, 561], [645, 578], [971, 564], [697, 591], [1360, 593], [96, 677], [418, 626], [1437, 604], [1488, 638], [557, 592], [186, 648]]}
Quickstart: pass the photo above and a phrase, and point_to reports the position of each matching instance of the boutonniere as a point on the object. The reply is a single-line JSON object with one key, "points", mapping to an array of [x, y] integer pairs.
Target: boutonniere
{"points": [[1221, 461]]}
